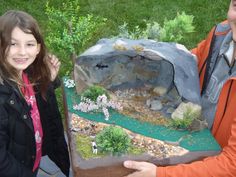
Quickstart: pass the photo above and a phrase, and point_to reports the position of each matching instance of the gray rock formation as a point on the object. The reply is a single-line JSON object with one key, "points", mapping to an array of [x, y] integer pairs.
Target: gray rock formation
{"points": [[123, 63]]}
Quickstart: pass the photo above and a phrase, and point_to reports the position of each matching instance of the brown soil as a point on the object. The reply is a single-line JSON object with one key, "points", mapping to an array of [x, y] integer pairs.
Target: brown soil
{"points": [[134, 105]]}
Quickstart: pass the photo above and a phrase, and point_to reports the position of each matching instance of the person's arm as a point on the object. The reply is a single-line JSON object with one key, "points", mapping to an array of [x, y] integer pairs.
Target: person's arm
{"points": [[9, 166]]}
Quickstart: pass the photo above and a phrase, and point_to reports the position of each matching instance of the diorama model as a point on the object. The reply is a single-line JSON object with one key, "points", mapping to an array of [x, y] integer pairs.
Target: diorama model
{"points": [[137, 100]]}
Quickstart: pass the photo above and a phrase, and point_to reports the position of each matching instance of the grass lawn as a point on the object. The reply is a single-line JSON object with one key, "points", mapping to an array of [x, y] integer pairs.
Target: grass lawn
{"points": [[135, 12], [206, 13]]}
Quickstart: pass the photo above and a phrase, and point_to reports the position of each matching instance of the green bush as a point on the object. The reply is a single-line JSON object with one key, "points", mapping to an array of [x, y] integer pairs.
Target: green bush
{"points": [[172, 30], [180, 123], [113, 140], [69, 32], [94, 91]]}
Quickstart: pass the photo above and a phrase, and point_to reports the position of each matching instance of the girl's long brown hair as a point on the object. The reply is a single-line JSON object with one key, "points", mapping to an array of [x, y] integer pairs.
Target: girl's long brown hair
{"points": [[38, 71]]}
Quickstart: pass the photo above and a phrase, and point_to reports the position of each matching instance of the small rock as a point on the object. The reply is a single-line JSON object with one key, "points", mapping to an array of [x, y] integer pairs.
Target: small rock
{"points": [[156, 105], [170, 110], [183, 108], [160, 90]]}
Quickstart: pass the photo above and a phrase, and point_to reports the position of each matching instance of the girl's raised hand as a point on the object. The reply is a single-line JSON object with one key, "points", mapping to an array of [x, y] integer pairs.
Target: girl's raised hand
{"points": [[54, 66]]}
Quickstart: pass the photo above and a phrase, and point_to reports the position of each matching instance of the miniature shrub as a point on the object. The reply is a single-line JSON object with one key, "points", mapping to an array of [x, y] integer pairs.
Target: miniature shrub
{"points": [[113, 140], [180, 123], [184, 123], [152, 31], [172, 30], [94, 91]]}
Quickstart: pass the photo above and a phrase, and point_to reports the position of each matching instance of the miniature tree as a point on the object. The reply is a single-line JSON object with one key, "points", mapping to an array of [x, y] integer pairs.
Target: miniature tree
{"points": [[113, 140]]}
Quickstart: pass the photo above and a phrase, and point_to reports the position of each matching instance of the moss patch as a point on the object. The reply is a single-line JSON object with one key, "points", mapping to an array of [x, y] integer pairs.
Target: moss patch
{"points": [[84, 148], [136, 150]]}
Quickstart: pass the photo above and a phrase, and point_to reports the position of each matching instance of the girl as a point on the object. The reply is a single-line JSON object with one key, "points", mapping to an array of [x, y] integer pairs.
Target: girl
{"points": [[30, 122]]}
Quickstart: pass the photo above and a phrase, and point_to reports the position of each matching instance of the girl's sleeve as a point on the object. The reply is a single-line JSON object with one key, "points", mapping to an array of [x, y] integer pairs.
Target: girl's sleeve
{"points": [[9, 166]]}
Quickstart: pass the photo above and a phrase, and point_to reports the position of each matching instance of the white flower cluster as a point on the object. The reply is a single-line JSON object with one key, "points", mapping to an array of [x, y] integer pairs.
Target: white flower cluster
{"points": [[69, 83], [101, 104]]}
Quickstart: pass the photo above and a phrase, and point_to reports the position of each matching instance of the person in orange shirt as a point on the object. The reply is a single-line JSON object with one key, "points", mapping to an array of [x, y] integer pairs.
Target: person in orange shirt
{"points": [[217, 70]]}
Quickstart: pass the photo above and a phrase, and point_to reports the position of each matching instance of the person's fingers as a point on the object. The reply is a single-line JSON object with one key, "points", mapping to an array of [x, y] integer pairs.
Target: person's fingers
{"points": [[52, 58], [57, 64], [54, 61], [143, 169], [134, 165]]}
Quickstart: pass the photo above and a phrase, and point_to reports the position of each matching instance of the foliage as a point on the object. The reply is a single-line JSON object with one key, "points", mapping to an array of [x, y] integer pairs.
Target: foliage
{"points": [[136, 150], [113, 140], [124, 31], [180, 123], [152, 31], [69, 32], [93, 92], [172, 30], [185, 122]]}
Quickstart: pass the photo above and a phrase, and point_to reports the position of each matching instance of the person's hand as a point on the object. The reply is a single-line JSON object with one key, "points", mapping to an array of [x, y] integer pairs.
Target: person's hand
{"points": [[144, 169], [54, 66]]}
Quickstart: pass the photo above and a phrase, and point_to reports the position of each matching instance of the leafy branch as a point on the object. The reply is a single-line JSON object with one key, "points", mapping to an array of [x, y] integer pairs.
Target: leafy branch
{"points": [[68, 32]]}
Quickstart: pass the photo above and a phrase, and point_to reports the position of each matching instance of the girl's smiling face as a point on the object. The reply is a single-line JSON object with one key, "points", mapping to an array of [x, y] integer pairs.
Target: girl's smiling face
{"points": [[22, 50]]}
